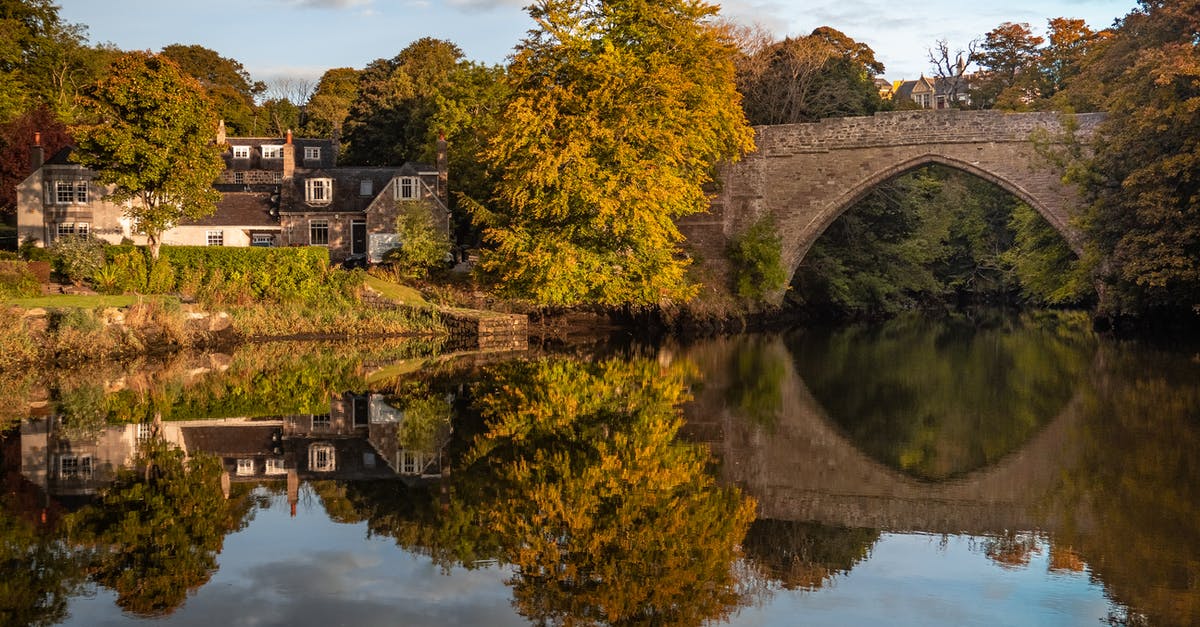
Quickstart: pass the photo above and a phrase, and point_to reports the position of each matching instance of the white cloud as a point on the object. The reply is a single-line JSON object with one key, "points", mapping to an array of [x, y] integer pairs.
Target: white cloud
{"points": [[330, 4]]}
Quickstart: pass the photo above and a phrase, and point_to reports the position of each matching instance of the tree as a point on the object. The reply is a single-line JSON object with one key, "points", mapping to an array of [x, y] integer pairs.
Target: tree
{"points": [[1143, 217], [422, 244], [42, 58], [151, 138], [158, 528], [16, 138], [618, 112], [1008, 53], [804, 79], [225, 82], [950, 68], [389, 120], [330, 103]]}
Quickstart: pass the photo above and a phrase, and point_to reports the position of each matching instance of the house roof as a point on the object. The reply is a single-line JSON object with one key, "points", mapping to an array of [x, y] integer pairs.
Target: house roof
{"points": [[253, 209], [347, 185], [256, 162], [229, 441]]}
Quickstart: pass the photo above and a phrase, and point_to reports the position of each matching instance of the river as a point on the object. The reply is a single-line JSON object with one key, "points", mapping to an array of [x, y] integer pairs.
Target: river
{"points": [[983, 469]]}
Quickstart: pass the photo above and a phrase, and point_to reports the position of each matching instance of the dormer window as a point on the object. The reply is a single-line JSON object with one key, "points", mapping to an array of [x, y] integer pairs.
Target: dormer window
{"points": [[272, 151], [312, 153], [241, 152], [366, 187], [318, 191], [406, 188]]}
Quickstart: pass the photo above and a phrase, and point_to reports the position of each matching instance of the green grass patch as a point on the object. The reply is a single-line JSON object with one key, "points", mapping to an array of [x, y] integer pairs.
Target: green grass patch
{"points": [[401, 294], [84, 301]]}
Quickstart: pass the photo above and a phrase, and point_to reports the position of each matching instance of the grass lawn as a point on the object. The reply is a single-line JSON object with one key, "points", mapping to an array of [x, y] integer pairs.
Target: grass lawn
{"points": [[79, 301], [402, 294]]}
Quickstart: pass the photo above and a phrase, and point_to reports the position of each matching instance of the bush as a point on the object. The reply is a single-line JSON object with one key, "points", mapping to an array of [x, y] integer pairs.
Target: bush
{"points": [[17, 280], [30, 251], [757, 260], [423, 247], [78, 258]]}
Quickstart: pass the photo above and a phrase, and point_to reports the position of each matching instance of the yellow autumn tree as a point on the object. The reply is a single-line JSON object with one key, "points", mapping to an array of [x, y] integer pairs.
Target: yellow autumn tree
{"points": [[618, 111]]}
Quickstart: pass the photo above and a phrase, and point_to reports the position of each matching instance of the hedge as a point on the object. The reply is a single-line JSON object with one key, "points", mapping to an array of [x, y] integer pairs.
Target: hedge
{"points": [[268, 273]]}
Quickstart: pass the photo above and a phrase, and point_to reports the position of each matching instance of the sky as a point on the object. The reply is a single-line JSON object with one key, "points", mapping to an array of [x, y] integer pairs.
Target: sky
{"points": [[300, 39]]}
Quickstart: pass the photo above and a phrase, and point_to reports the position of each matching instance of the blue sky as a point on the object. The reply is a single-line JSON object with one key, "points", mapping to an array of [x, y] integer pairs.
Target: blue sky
{"points": [[303, 38]]}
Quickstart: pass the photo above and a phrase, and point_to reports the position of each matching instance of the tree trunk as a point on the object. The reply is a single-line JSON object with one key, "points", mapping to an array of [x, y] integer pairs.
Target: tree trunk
{"points": [[153, 241]]}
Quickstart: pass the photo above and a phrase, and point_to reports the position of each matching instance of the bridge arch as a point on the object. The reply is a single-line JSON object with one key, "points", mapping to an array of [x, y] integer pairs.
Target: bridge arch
{"points": [[806, 175]]}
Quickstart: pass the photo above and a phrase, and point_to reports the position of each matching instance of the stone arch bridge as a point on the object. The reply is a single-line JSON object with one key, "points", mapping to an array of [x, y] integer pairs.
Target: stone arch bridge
{"points": [[807, 175]]}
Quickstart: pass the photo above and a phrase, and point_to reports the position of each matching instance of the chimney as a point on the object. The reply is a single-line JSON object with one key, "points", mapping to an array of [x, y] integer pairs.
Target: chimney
{"points": [[37, 154], [289, 158], [220, 132], [335, 138], [443, 170], [293, 489]]}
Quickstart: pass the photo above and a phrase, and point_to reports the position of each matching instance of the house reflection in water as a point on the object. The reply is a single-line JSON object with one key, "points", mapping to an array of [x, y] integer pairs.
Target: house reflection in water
{"points": [[358, 439]]}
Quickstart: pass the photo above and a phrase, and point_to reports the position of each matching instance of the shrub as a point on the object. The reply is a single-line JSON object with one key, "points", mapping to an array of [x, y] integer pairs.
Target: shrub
{"points": [[423, 246], [30, 251], [757, 260], [17, 280], [78, 258]]}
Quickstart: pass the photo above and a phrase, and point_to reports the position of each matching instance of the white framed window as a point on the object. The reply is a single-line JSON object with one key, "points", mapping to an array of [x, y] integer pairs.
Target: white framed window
{"points": [[262, 239], [321, 422], [75, 466], [366, 187], [318, 232], [70, 192], [406, 187], [272, 151], [239, 177], [318, 191], [69, 229], [410, 462], [214, 238], [312, 152], [145, 431], [245, 467], [321, 458], [241, 152], [275, 466]]}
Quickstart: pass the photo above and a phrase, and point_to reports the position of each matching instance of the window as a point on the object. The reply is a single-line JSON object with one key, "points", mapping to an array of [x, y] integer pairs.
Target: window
{"points": [[271, 151], [366, 187], [312, 152], [262, 239], [318, 191], [214, 238], [68, 229], [75, 467], [410, 462], [241, 152], [275, 466], [318, 232], [321, 458], [406, 187], [320, 422], [239, 177], [70, 192], [145, 431], [277, 177], [245, 467]]}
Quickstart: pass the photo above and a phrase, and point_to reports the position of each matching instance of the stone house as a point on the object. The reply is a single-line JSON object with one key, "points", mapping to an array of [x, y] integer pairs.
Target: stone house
{"points": [[934, 93], [274, 192]]}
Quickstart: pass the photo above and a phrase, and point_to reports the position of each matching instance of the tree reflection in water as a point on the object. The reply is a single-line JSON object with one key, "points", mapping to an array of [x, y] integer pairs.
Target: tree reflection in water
{"points": [[805, 555], [575, 478]]}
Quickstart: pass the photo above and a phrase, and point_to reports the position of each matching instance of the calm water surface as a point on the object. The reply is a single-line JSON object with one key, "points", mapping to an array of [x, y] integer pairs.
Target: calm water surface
{"points": [[974, 471]]}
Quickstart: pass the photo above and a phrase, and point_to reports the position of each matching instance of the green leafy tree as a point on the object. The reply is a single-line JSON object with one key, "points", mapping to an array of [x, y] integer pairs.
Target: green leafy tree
{"points": [[329, 105], [151, 138], [1143, 218], [618, 112], [757, 259], [388, 123], [423, 246], [43, 60], [226, 83]]}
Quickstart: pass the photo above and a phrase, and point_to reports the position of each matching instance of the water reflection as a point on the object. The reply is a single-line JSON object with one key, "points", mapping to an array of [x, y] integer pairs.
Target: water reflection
{"points": [[622, 488]]}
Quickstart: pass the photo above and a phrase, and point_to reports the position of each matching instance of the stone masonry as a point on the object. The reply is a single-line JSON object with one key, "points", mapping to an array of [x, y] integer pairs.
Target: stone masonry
{"points": [[806, 175]]}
